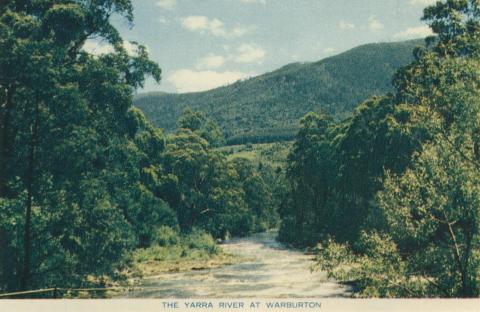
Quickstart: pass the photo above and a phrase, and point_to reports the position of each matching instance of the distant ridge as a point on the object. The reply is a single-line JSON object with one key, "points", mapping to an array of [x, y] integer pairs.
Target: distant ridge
{"points": [[268, 107]]}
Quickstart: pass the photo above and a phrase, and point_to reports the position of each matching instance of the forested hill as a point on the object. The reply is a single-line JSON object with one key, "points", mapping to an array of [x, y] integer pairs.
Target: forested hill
{"points": [[272, 103]]}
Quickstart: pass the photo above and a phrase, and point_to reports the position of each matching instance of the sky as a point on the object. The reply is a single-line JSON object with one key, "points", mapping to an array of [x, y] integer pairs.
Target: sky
{"points": [[203, 44]]}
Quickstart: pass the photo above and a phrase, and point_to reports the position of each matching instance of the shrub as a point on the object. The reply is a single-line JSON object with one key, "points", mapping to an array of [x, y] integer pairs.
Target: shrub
{"points": [[166, 236], [198, 239]]}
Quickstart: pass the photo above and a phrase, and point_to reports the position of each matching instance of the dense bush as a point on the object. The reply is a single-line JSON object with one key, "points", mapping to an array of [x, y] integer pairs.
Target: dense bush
{"points": [[392, 194], [174, 246], [166, 236]]}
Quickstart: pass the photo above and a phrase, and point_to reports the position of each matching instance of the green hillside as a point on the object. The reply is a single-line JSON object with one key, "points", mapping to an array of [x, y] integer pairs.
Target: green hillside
{"points": [[270, 105]]}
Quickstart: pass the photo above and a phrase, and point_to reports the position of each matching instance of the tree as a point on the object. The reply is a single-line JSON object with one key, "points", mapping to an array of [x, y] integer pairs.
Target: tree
{"points": [[198, 123], [203, 187], [63, 137], [186, 165], [456, 24], [191, 120], [378, 137], [433, 212], [258, 194], [437, 198], [309, 173], [427, 217]]}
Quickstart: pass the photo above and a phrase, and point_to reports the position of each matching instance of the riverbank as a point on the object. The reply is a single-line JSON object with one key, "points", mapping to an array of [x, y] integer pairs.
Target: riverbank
{"points": [[197, 261], [180, 253], [268, 270]]}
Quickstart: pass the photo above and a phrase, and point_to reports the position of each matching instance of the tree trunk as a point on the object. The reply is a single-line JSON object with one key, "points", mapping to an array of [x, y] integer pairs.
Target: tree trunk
{"points": [[25, 280], [192, 217], [300, 219], [5, 260], [4, 140], [467, 290]]}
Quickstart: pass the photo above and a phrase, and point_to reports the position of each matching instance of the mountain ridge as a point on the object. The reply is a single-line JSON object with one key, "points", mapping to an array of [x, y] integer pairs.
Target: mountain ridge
{"points": [[274, 101]]}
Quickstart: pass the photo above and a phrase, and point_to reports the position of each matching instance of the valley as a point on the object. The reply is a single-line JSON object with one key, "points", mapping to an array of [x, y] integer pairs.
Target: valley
{"points": [[267, 108]]}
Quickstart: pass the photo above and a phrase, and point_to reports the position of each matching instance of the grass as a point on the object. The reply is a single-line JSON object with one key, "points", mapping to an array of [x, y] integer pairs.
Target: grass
{"points": [[177, 253], [250, 155], [149, 268], [274, 154]]}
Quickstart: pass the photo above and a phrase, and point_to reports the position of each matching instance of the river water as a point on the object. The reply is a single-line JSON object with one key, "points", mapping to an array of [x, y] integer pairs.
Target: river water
{"points": [[270, 271]]}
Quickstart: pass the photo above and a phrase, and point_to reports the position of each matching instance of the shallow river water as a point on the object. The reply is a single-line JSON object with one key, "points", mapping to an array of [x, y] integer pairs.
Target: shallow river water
{"points": [[270, 271]]}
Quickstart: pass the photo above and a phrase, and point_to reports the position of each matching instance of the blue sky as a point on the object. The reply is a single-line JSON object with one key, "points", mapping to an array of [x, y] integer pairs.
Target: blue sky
{"points": [[202, 44]]}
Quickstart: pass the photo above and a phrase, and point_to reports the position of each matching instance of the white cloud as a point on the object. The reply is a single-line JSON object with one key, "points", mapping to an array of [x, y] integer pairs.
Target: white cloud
{"points": [[186, 80], [194, 23], [249, 53], [214, 26], [211, 61], [422, 2], [346, 25], [98, 48], [167, 4], [239, 31], [374, 24], [217, 28], [130, 48], [414, 32]]}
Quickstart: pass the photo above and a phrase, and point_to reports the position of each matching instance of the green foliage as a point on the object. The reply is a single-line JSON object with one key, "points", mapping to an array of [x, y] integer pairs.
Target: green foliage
{"points": [[191, 120], [391, 193], [175, 247], [85, 178], [206, 190], [201, 240], [74, 158], [430, 224], [265, 154], [403, 201], [378, 272], [205, 127], [377, 138], [166, 236], [260, 136], [259, 192], [335, 169], [456, 24], [266, 108], [308, 173], [432, 211]]}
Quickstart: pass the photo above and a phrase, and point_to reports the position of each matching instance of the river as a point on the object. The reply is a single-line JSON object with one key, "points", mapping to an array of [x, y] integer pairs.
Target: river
{"points": [[270, 271]]}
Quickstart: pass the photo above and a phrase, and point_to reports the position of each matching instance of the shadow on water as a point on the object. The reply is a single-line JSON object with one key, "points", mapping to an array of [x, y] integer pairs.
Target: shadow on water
{"points": [[270, 270]]}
